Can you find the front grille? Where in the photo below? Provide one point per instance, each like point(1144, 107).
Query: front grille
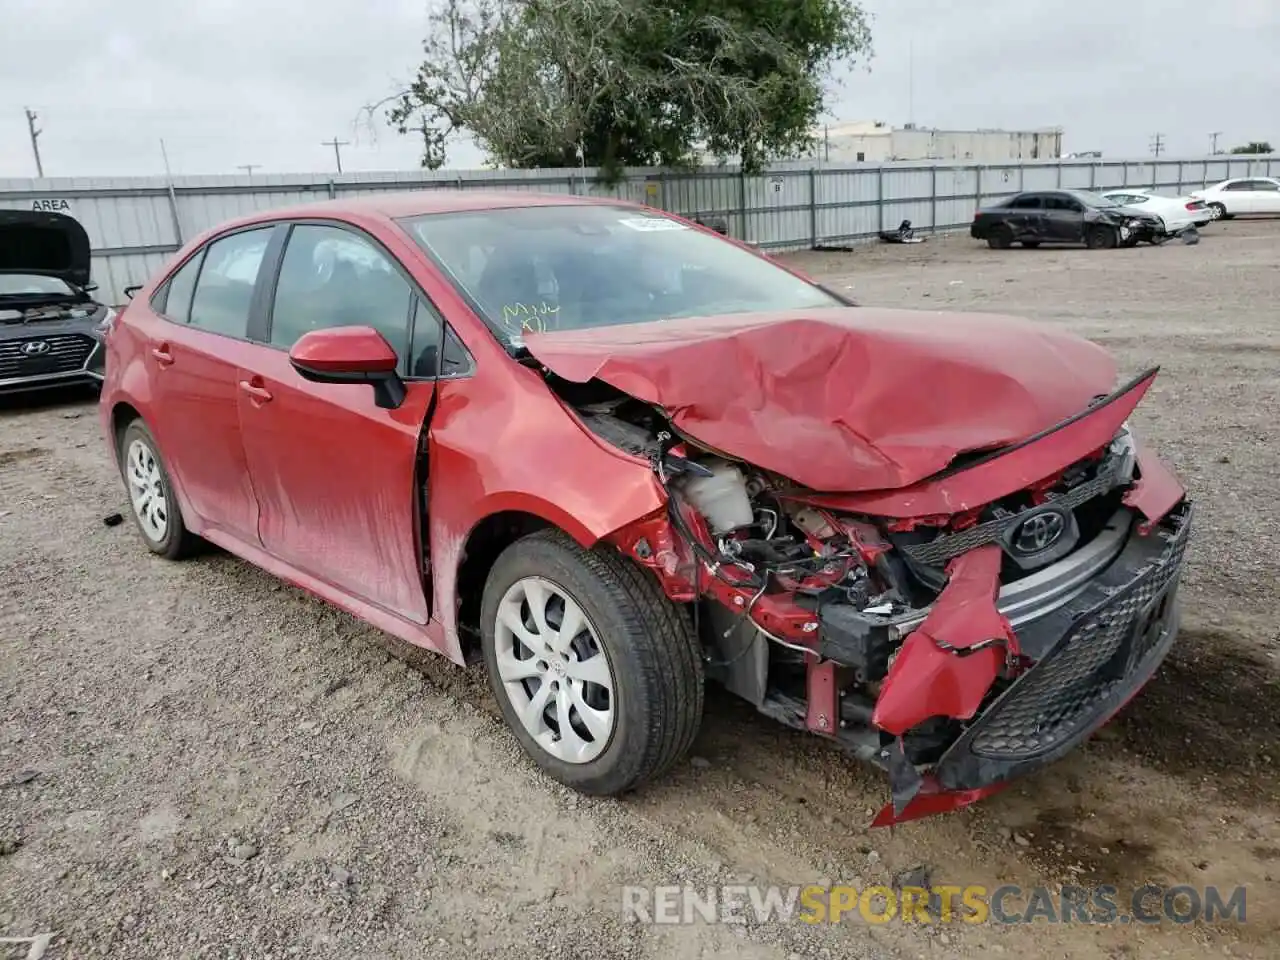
point(1091, 668)
point(937, 552)
point(67, 352)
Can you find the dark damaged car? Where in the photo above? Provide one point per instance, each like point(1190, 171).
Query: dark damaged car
point(1064, 216)
point(50, 324)
point(613, 455)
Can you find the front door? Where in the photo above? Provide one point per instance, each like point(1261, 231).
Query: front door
point(1265, 197)
point(1064, 218)
point(194, 340)
point(335, 475)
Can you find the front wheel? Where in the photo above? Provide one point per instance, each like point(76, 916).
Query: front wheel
point(597, 673)
point(1101, 238)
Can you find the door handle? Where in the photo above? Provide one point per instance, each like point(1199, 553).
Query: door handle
point(162, 354)
point(258, 394)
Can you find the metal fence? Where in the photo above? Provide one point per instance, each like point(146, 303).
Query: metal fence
point(134, 224)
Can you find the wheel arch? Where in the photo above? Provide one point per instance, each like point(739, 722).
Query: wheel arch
point(483, 544)
point(123, 413)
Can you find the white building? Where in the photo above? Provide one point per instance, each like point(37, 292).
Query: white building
point(874, 141)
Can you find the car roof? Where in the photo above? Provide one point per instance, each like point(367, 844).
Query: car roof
point(393, 205)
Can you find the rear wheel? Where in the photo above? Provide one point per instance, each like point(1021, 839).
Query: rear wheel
point(1000, 238)
point(597, 673)
point(1101, 238)
point(155, 508)
point(1219, 211)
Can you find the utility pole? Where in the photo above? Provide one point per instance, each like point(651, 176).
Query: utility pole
point(1213, 139)
point(249, 167)
point(337, 154)
point(35, 135)
point(1157, 144)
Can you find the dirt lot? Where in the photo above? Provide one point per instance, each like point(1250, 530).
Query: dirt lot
point(225, 767)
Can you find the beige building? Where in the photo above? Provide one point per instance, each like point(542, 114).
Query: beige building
point(874, 141)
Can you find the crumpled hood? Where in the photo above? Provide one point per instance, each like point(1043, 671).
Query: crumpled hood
point(845, 399)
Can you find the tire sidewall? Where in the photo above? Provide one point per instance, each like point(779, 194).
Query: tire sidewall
point(168, 545)
point(556, 563)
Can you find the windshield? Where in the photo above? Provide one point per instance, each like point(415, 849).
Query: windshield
point(571, 267)
point(32, 284)
point(1094, 199)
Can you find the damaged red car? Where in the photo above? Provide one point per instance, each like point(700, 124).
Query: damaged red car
point(614, 455)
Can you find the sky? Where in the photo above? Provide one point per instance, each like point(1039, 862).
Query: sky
point(226, 83)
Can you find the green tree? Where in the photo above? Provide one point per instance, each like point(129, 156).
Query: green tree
point(1254, 146)
point(611, 83)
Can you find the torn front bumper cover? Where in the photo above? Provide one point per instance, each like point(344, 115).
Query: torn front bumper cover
point(1089, 657)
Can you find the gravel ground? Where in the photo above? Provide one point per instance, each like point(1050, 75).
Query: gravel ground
point(196, 760)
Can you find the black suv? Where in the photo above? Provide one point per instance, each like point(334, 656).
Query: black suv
point(1064, 216)
point(50, 326)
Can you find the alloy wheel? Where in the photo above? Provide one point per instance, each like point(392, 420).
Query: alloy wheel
point(554, 670)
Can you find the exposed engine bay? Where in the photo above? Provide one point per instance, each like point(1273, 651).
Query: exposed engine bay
point(897, 635)
point(50, 312)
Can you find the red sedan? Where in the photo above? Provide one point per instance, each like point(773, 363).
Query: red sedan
point(613, 454)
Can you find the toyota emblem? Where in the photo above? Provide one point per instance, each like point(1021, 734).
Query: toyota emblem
point(35, 348)
point(1039, 532)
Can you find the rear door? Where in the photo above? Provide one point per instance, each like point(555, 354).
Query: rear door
point(196, 337)
point(1026, 216)
point(1239, 197)
point(336, 479)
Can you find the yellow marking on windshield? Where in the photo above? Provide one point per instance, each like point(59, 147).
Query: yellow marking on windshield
point(527, 318)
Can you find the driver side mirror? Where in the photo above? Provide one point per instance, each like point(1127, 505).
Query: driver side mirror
point(350, 355)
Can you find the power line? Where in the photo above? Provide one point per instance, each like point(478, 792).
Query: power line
point(249, 167)
point(1213, 138)
point(35, 135)
point(1157, 144)
point(337, 153)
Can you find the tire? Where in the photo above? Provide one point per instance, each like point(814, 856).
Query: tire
point(1000, 238)
point(1101, 238)
point(147, 481)
point(645, 714)
point(1219, 211)
point(1030, 244)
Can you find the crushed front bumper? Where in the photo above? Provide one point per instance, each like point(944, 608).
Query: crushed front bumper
point(1094, 628)
point(1098, 650)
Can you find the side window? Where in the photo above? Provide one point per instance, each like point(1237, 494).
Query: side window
point(173, 300)
point(1239, 185)
point(225, 289)
point(331, 277)
point(1028, 201)
point(426, 345)
point(1268, 185)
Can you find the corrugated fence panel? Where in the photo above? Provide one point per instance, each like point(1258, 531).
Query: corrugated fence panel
point(135, 222)
point(1077, 176)
point(1040, 177)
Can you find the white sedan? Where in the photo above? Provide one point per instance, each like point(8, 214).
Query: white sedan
point(1178, 213)
point(1242, 195)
